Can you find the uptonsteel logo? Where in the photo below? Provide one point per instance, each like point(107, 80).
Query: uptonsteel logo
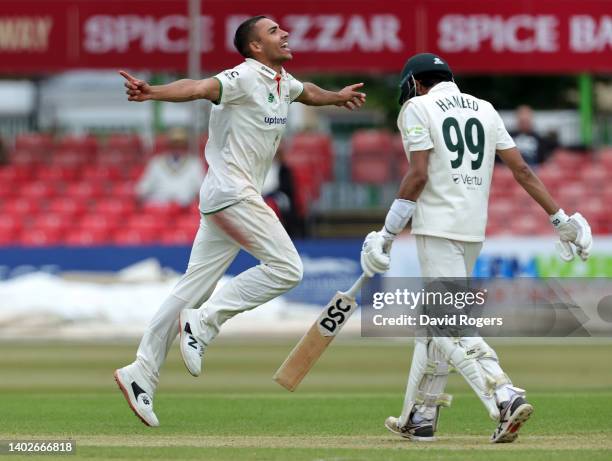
point(275, 120)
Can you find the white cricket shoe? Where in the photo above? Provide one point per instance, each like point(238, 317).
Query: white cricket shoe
point(512, 416)
point(191, 348)
point(421, 432)
point(131, 383)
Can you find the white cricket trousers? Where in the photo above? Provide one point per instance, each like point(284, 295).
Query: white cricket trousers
point(441, 257)
point(249, 224)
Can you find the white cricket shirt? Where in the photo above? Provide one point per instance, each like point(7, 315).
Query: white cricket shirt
point(245, 129)
point(463, 133)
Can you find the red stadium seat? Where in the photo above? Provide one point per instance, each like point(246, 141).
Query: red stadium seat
point(594, 176)
point(188, 221)
point(38, 190)
point(67, 207)
point(162, 211)
point(8, 237)
point(115, 207)
point(28, 158)
point(524, 225)
point(85, 190)
point(10, 224)
point(34, 142)
point(318, 148)
point(573, 195)
point(21, 206)
point(39, 237)
point(605, 159)
point(102, 173)
point(16, 173)
point(146, 224)
point(400, 166)
point(502, 177)
point(371, 141)
point(70, 158)
point(551, 175)
point(57, 173)
point(87, 237)
point(7, 190)
point(117, 158)
point(100, 223)
point(371, 170)
point(122, 190)
point(372, 156)
point(85, 145)
point(570, 162)
point(135, 172)
point(134, 237)
point(126, 143)
point(177, 236)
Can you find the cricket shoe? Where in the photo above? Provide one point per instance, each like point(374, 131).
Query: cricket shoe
point(421, 432)
point(140, 401)
point(512, 416)
point(191, 349)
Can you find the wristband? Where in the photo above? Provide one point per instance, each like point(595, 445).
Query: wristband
point(558, 218)
point(398, 216)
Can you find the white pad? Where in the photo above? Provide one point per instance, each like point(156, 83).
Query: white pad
point(477, 362)
point(426, 382)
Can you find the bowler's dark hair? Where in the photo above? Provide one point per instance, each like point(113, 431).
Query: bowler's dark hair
point(244, 35)
point(429, 79)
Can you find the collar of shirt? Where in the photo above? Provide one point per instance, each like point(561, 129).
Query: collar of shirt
point(444, 87)
point(265, 70)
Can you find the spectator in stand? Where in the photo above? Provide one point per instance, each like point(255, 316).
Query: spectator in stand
point(174, 176)
point(279, 192)
point(534, 148)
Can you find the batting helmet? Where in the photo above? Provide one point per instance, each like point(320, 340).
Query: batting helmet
point(423, 63)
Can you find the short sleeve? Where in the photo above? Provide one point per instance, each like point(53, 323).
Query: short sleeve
point(233, 86)
point(504, 140)
point(295, 88)
point(414, 127)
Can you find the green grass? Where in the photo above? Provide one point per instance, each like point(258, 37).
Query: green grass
point(235, 411)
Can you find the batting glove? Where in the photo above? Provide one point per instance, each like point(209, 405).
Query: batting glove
point(574, 231)
point(374, 254)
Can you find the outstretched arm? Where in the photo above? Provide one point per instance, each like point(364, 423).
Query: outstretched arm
point(528, 180)
point(178, 91)
point(347, 97)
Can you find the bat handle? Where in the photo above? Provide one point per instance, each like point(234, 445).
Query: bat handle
point(352, 291)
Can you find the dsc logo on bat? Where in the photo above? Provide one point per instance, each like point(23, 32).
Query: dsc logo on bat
point(335, 315)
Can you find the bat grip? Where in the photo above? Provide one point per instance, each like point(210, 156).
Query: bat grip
point(352, 291)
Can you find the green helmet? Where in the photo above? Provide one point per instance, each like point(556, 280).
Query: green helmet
point(420, 64)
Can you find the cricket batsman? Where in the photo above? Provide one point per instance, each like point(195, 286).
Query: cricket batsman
point(448, 134)
point(247, 122)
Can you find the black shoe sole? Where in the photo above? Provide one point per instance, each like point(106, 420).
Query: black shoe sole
point(522, 414)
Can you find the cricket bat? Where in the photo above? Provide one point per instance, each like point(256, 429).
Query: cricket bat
point(312, 345)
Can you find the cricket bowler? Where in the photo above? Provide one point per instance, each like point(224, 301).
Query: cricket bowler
point(247, 122)
point(448, 134)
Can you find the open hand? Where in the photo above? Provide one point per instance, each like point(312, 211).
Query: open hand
point(352, 99)
point(137, 90)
